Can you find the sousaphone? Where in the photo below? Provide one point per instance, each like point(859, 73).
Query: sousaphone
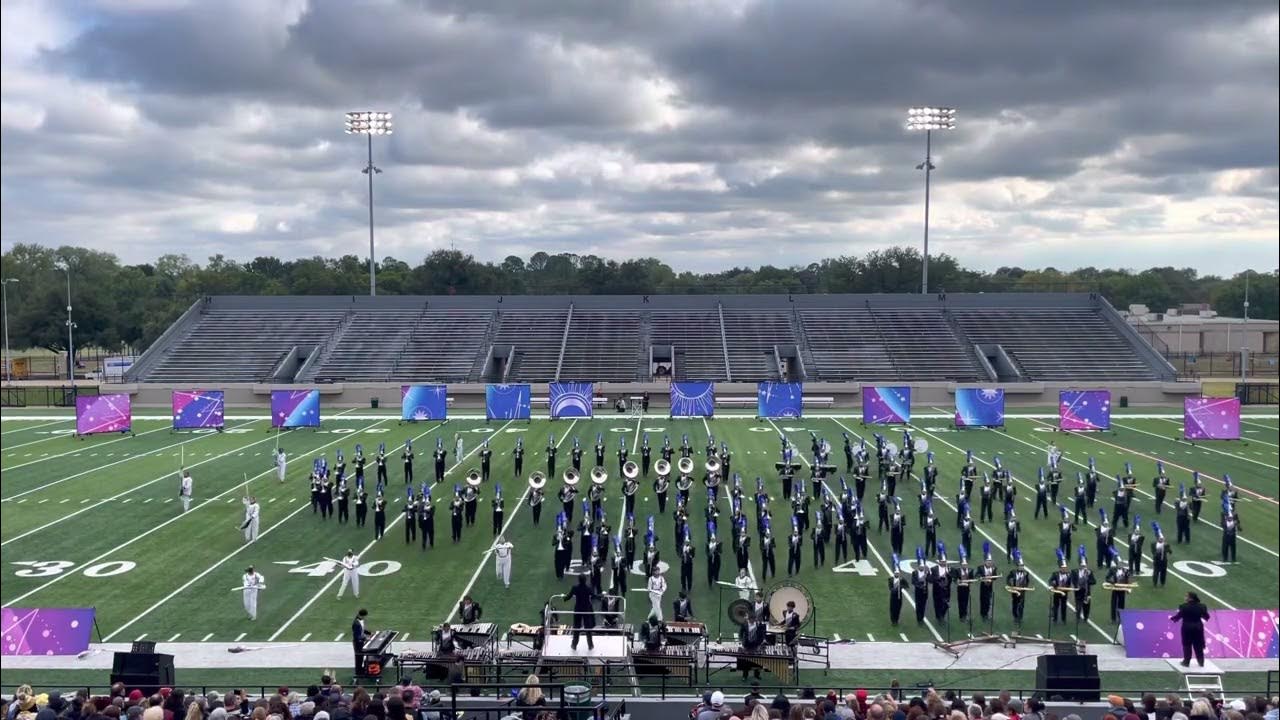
point(663, 468)
point(570, 477)
point(685, 466)
point(537, 481)
point(712, 467)
point(473, 477)
point(599, 475)
point(630, 470)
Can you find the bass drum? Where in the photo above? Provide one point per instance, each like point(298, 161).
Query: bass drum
point(785, 592)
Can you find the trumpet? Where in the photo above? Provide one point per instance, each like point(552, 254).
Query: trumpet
point(599, 475)
point(570, 477)
point(663, 468)
point(685, 465)
point(537, 481)
point(630, 470)
point(473, 477)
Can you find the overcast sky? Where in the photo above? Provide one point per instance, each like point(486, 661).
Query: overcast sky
point(709, 133)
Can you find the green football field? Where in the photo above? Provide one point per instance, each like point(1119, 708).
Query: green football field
point(96, 522)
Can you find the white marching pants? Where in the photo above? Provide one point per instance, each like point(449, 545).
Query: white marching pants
point(186, 503)
point(251, 531)
point(280, 473)
point(251, 603)
point(503, 567)
point(352, 578)
point(655, 602)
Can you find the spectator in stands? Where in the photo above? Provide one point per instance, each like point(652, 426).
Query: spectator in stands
point(1202, 709)
point(530, 696)
point(759, 712)
point(711, 707)
point(754, 696)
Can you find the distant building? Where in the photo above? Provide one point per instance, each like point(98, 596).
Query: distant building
point(1194, 328)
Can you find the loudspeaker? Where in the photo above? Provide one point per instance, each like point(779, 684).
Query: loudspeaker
point(1073, 677)
point(147, 672)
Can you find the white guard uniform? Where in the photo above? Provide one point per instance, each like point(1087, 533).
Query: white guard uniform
point(350, 575)
point(657, 586)
point(253, 582)
point(502, 561)
point(282, 461)
point(250, 524)
point(184, 492)
point(457, 450)
point(746, 586)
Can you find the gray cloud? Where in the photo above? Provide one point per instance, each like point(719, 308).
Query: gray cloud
point(717, 133)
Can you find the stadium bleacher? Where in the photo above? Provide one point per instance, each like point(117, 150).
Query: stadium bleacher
point(821, 338)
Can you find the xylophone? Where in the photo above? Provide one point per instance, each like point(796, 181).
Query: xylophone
point(777, 659)
point(677, 662)
point(475, 634)
point(685, 633)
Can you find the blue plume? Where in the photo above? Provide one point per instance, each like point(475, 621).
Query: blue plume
point(1226, 479)
point(1159, 467)
point(942, 548)
point(409, 492)
point(1062, 509)
point(963, 555)
point(1102, 512)
point(498, 488)
point(711, 493)
point(1017, 556)
point(600, 513)
point(742, 521)
point(382, 447)
point(1079, 476)
point(968, 455)
point(649, 524)
point(585, 505)
point(457, 489)
point(359, 449)
point(1137, 522)
point(645, 441)
point(929, 456)
point(896, 562)
point(339, 454)
point(1182, 489)
point(595, 541)
point(768, 524)
point(426, 491)
point(997, 461)
point(711, 527)
point(1062, 560)
point(360, 484)
point(1040, 473)
point(1114, 553)
point(648, 537)
point(1195, 475)
point(795, 522)
point(1082, 552)
point(560, 518)
point(843, 485)
point(617, 541)
point(1155, 527)
point(1008, 506)
point(986, 549)
point(631, 518)
point(1091, 462)
point(919, 554)
point(599, 438)
point(1128, 468)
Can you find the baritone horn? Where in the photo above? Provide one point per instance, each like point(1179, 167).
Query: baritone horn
point(599, 475)
point(663, 468)
point(630, 470)
point(537, 481)
point(685, 465)
point(570, 477)
point(473, 477)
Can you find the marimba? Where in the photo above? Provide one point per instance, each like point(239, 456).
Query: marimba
point(475, 634)
point(777, 659)
point(676, 662)
point(685, 633)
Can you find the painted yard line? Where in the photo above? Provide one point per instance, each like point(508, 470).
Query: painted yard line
point(1250, 439)
point(622, 514)
point(175, 518)
point(175, 637)
point(1131, 451)
point(394, 521)
point(751, 570)
point(946, 501)
point(485, 557)
point(1202, 447)
point(33, 427)
point(1144, 493)
point(1089, 523)
point(168, 475)
point(751, 416)
point(306, 637)
point(870, 546)
point(1272, 428)
point(240, 637)
point(206, 637)
point(37, 442)
point(102, 467)
point(64, 454)
point(228, 556)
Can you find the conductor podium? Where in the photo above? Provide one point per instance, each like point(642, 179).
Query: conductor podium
point(1074, 677)
point(146, 671)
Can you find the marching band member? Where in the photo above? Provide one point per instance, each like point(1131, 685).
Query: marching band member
point(1116, 576)
point(623, 454)
point(987, 577)
point(185, 487)
point(1055, 476)
point(380, 461)
point(930, 479)
point(653, 633)
point(406, 456)
point(469, 611)
point(848, 454)
point(410, 517)
point(1120, 504)
point(1230, 529)
point(486, 456)
point(986, 496)
point(751, 636)
point(326, 494)
point(458, 454)
point(1012, 529)
point(656, 586)
point(1182, 515)
point(350, 574)
point(251, 516)
point(646, 454)
point(964, 576)
point(1065, 527)
point(362, 504)
point(629, 541)
point(859, 533)
point(768, 566)
point(819, 544)
point(563, 548)
point(1042, 496)
point(595, 565)
point(1018, 578)
point(379, 516)
point(282, 464)
point(795, 542)
point(596, 494)
point(1135, 547)
point(895, 592)
point(1105, 538)
point(536, 496)
point(931, 528)
point(1091, 479)
point(586, 531)
point(456, 510)
point(344, 501)
point(1160, 552)
point(1160, 483)
point(713, 554)
point(1128, 482)
point(1060, 582)
point(649, 561)
point(1000, 477)
point(897, 528)
point(551, 470)
point(499, 508)
point(841, 540)
point(940, 579)
point(620, 568)
point(920, 585)
point(518, 467)
point(661, 484)
point(250, 584)
point(1081, 500)
point(427, 518)
point(682, 608)
point(360, 463)
point(791, 625)
point(1198, 494)
point(1082, 580)
point(968, 473)
point(861, 471)
point(966, 529)
point(470, 499)
point(567, 495)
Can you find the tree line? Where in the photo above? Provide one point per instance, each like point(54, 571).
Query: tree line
point(118, 306)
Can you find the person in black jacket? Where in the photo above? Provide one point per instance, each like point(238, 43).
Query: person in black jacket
point(359, 634)
point(584, 611)
point(1193, 615)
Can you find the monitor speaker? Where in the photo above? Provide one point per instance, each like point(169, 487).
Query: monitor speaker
point(147, 672)
point(1072, 677)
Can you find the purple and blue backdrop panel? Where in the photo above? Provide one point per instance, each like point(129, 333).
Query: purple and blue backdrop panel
point(45, 631)
point(979, 407)
point(779, 400)
point(1211, 418)
point(693, 399)
point(424, 402)
point(507, 402)
point(1227, 634)
point(886, 405)
point(295, 408)
point(193, 409)
point(103, 414)
point(570, 399)
point(1084, 410)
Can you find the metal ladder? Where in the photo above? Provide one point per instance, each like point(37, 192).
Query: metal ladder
point(1198, 685)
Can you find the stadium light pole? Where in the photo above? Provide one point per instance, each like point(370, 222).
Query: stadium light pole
point(928, 119)
point(4, 299)
point(370, 123)
point(65, 266)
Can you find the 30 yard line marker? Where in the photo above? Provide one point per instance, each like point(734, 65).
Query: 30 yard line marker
point(390, 525)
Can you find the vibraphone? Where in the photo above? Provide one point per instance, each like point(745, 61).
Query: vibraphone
point(686, 633)
point(678, 662)
point(472, 663)
point(475, 634)
point(777, 659)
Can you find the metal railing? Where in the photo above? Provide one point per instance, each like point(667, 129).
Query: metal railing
point(18, 396)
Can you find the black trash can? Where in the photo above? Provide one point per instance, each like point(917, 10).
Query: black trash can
point(1124, 401)
point(373, 403)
